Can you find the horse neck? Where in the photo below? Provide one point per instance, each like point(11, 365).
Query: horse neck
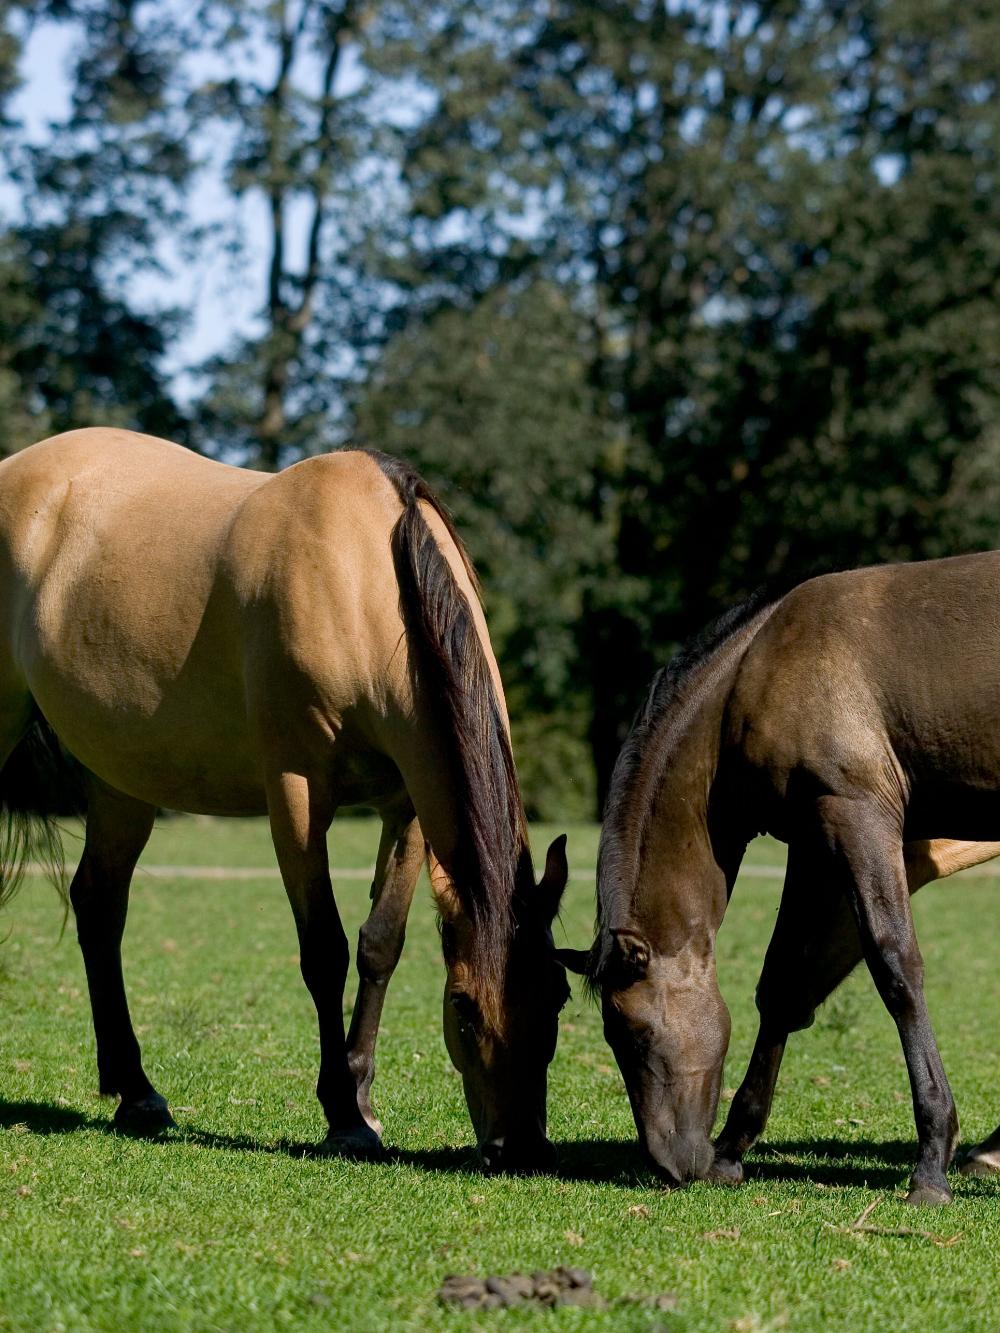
point(695, 834)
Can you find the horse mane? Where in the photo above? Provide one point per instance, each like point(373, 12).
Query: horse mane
point(662, 719)
point(491, 854)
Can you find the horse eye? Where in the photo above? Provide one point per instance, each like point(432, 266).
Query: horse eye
point(465, 1007)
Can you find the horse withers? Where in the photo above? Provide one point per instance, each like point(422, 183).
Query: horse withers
point(215, 640)
point(854, 719)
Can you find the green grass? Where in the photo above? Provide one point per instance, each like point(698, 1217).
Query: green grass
point(226, 1226)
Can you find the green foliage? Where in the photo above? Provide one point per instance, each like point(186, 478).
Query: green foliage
point(668, 299)
point(96, 197)
point(494, 406)
point(785, 221)
point(308, 153)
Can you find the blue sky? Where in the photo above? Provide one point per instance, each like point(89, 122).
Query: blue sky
point(223, 294)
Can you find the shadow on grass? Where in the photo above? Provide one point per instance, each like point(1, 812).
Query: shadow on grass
point(46, 1118)
point(881, 1164)
point(595, 1161)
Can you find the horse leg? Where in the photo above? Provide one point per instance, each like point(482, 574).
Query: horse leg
point(812, 951)
point(301, 812)
point(118, 828)
point(813, 947)
point(983, 1160)
point(380, 943)
point(867, 856)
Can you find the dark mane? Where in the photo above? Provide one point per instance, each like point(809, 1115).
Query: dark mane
point(491, 853)
point(638, 772)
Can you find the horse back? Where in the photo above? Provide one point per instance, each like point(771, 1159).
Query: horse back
point(173, 617)
point(885, 680)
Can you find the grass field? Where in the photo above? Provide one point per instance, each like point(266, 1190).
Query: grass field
point(225, 1225)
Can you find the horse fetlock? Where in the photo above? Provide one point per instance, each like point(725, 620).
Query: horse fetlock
point(363, 1069)
point(744, 1125)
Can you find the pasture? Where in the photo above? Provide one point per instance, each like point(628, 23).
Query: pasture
point(226, 1224)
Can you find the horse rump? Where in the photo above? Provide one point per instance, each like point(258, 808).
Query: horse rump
point(39, 782)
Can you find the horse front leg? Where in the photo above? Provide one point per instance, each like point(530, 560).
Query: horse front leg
point(867, 855)
point(300, 814)
point(815, 946)
point(118, 829)
point(380, 942)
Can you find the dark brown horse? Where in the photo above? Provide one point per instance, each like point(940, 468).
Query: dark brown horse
point(856, 719)
point(216, 640)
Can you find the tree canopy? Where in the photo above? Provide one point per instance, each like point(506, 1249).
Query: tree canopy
point(668, 299)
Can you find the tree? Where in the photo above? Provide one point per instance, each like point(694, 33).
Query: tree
point(783, 216)
point(304, 142)
point(96, 199)
point(494, 405)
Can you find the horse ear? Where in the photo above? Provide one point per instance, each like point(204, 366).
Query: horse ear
point(554, 877)
point(573, 960)
point(631, 956)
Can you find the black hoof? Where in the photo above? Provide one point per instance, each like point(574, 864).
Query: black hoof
point(360, 1143)
point(147, 1117)
point(929, 1196)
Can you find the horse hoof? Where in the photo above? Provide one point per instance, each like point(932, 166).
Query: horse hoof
point(988, 1164)
point(929, 1196)
point(360, 1143)
point(726, 1171)
point(149, 1116)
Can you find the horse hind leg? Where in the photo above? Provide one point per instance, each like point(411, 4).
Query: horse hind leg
point(118, 829)
point(380, 942)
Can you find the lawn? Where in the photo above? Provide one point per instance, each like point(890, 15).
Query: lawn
point(226, 1225)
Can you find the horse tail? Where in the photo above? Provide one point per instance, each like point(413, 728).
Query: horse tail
point(492, 836)
point(38, 782)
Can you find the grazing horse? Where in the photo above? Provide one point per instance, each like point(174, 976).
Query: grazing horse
point(216, 640)
point(855, 719)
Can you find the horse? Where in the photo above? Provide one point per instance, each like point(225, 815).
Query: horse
point(855, 719)
point(177, 632)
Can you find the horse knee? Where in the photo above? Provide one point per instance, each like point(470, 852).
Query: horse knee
point(899, 974)
point(379, 950)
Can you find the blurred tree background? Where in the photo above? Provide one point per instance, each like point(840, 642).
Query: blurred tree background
point(667, 299)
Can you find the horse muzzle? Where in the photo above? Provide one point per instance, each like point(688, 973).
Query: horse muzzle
point(518, 1156)
point(678, 1158)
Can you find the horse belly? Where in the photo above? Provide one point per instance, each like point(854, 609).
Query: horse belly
point(147, 693)
point(190, 752)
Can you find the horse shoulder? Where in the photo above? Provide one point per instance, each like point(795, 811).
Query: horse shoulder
point(802, 700)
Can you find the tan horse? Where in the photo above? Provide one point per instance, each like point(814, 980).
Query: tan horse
point(215, 640)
